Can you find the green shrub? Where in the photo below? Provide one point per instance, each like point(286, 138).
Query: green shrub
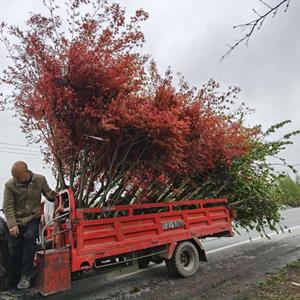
point(290, 191)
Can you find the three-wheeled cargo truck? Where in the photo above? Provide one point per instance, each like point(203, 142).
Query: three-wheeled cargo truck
point(81, 239)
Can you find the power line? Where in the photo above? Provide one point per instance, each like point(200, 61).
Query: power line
point(22, 153)
point(19, 145)
point(26, 150)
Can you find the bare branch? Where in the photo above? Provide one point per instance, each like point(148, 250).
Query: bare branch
point(266, 4)
point(254, 24)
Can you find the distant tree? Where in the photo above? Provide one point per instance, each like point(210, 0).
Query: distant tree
point(290, 191)
point(297, 179)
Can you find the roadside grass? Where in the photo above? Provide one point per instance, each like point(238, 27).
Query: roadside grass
point(289, 191)
point(278, 286)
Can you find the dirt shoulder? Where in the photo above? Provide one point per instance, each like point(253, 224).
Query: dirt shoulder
point(284, 284)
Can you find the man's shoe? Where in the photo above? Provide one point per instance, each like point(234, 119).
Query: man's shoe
point(24, 282)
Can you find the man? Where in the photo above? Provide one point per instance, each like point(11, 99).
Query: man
point(21, 205)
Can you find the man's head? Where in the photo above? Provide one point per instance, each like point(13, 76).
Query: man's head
point(20, 172)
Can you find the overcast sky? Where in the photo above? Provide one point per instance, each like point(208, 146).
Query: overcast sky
point(190, 36)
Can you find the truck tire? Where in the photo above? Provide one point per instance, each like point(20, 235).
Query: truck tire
point(185, 260)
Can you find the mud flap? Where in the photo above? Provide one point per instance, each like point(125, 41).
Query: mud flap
point(198, 244)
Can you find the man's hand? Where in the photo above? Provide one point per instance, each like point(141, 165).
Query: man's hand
point(14, 231)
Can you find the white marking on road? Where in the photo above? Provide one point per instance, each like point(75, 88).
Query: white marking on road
point(129, 274)
point(219, 249)
point(248, 241)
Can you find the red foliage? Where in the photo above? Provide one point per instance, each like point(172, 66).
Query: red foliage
point(93, 82)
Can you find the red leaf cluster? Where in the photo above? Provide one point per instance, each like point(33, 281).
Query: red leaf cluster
point(94, 82)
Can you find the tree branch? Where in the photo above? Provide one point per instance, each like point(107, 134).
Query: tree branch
point(254, 24)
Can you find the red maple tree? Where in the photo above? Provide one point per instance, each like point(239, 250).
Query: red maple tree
point(113, 128)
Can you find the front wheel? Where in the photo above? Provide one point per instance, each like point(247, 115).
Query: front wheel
point(185, 260)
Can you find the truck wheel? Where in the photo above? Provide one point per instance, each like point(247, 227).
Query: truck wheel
point(185, 260)
point(143, 262)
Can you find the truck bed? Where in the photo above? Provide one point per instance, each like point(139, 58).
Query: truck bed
point(98, 233)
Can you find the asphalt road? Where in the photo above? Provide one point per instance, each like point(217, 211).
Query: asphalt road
point(234, 263)
point(290, 219)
